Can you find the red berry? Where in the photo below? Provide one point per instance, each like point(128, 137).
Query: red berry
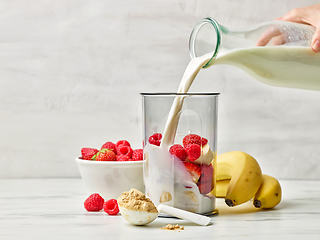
point(155, 139)
point(205, 183)
point(191, 139)
point(137, 155)
point(193, 151)
point(205, 187)
point(105, 155)
point(194, 170)
point(206, 173)
point(94, 202)
point(204, 141)
point(124, 150)
point(194, 139)
point(111, 207)
point(88, 153)
point(123, 142)
point(110, 146)
point(122, 158)
point(178, 151)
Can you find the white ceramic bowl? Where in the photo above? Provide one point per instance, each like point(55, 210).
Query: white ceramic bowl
point(110, 179)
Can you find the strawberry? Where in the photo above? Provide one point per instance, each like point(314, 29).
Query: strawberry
point(105, 155)
point(122, 158)
point(194, 139)
point(94, 202)
point(205, 188)
point(205, 183)
point(178, 151)
point(111, 146)
point(194, 151)
point(137, 155)
point(155, 139)
point(206, 173)
point(88, 153)
point(194, 170)
point(122, 142)
point(124, 150)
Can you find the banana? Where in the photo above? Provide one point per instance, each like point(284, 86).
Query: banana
point(269, 193)
point(244, 173)
point(221, 188)
point(206, 156)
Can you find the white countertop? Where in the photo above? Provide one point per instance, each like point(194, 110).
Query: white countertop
point(53, 209)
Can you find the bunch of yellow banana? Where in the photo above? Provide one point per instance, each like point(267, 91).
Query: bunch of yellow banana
point(239, 179)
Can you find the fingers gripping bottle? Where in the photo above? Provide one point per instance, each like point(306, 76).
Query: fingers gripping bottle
point(277, 53)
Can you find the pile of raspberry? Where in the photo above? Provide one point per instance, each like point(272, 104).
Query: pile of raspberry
point(188, 152)
point(119, 151)
point(95, 203)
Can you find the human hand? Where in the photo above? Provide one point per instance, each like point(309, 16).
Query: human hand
point(307, 15)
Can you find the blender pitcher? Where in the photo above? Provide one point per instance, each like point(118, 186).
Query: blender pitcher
point(173, 175)
point(276, 53)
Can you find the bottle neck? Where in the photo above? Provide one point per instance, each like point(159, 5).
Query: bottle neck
point(205, 38)
point(209, 37)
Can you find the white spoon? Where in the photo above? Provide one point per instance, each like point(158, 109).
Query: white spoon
point(143, 218)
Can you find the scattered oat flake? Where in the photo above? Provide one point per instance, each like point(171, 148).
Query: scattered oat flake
point(173, 227)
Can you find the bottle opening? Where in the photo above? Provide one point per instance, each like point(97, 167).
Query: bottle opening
point(205, 38)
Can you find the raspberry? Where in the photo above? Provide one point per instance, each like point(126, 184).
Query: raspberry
point(204, 141)
point(94, 202)
point(123, 142)
point(191, 139)
point(194, 139)
point(193, 151)
point(137, 155)
point(111, 146)
point(111, 207)
point(124, 150)
point(155, 139)
point(122, 158)
point(105, 155)
point(178, 151)
point(88, 153)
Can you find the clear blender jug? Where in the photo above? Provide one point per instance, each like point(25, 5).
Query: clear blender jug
point(276, 53)
point(173, 178)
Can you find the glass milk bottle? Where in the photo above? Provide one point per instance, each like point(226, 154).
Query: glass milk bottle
point(277, 53)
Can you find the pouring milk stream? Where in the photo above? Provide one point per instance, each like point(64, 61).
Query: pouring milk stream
point(174, 176)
